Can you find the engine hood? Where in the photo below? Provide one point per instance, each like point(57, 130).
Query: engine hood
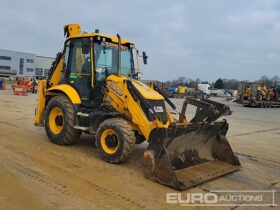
point(145, 90)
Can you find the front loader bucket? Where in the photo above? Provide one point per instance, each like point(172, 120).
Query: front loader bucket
point(187, 155)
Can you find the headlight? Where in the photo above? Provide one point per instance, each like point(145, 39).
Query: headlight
point(138, 75)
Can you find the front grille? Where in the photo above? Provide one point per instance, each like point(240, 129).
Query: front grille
point(159, 107)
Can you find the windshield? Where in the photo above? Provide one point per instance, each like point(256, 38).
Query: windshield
point(106, 59)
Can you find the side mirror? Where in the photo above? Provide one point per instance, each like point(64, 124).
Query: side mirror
point(85, 45)
point(145, 57)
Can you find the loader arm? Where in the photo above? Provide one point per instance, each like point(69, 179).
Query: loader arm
point(125, 96)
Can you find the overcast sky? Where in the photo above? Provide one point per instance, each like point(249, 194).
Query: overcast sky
point(204, 39)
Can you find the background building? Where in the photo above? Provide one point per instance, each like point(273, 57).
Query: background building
point(23, 64)
point(42, 65)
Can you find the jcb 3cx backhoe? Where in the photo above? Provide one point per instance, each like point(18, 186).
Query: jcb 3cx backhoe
point(92, 87)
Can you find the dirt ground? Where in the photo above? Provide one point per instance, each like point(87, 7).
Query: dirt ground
point(35, 174)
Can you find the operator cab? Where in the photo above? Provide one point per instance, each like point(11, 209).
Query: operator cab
point(89, 60)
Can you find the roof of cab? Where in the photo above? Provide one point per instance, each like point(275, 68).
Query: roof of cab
point(113, 38)
point(73, 30)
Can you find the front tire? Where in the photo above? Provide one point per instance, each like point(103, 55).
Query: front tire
point(60, 119)
point(115, 140)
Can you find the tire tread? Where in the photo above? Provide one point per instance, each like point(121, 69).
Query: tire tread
point(128, 133)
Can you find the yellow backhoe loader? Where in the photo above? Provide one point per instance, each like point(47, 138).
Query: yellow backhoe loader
point(93, 87)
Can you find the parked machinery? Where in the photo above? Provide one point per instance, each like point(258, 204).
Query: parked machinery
point(92, 87)
point(252, 94)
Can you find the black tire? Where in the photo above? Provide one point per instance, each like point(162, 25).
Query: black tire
point(124, 135)
point(68, 135)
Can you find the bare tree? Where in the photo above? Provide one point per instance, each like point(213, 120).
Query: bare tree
point(264, 80)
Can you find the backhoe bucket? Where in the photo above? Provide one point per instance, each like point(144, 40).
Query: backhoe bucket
point(184, 156)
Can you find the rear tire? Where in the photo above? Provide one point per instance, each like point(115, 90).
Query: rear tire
point(60, 119)
point(115, 140)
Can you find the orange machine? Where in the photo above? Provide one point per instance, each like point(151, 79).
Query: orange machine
point(20, 86)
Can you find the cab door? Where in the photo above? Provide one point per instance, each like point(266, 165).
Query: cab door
point(79, 67)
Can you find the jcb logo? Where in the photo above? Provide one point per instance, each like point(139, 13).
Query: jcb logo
point(158, 108)
point(115, 88)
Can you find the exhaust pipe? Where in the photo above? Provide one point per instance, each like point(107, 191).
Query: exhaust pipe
point(119, 54)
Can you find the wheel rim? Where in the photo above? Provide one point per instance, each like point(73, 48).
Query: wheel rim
point(56, 120)
point(109, 141)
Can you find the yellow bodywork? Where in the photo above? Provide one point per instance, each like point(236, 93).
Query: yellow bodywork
point(41, 100)
point(146, 91)
point(248, 91)
point(181, 90)
point(118, 96)
point(72, 29)
point(67, 90)
point(75, 33)
point(42, 93)
point(56, 77)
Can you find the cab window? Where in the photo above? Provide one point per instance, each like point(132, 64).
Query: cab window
point(79, 62)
